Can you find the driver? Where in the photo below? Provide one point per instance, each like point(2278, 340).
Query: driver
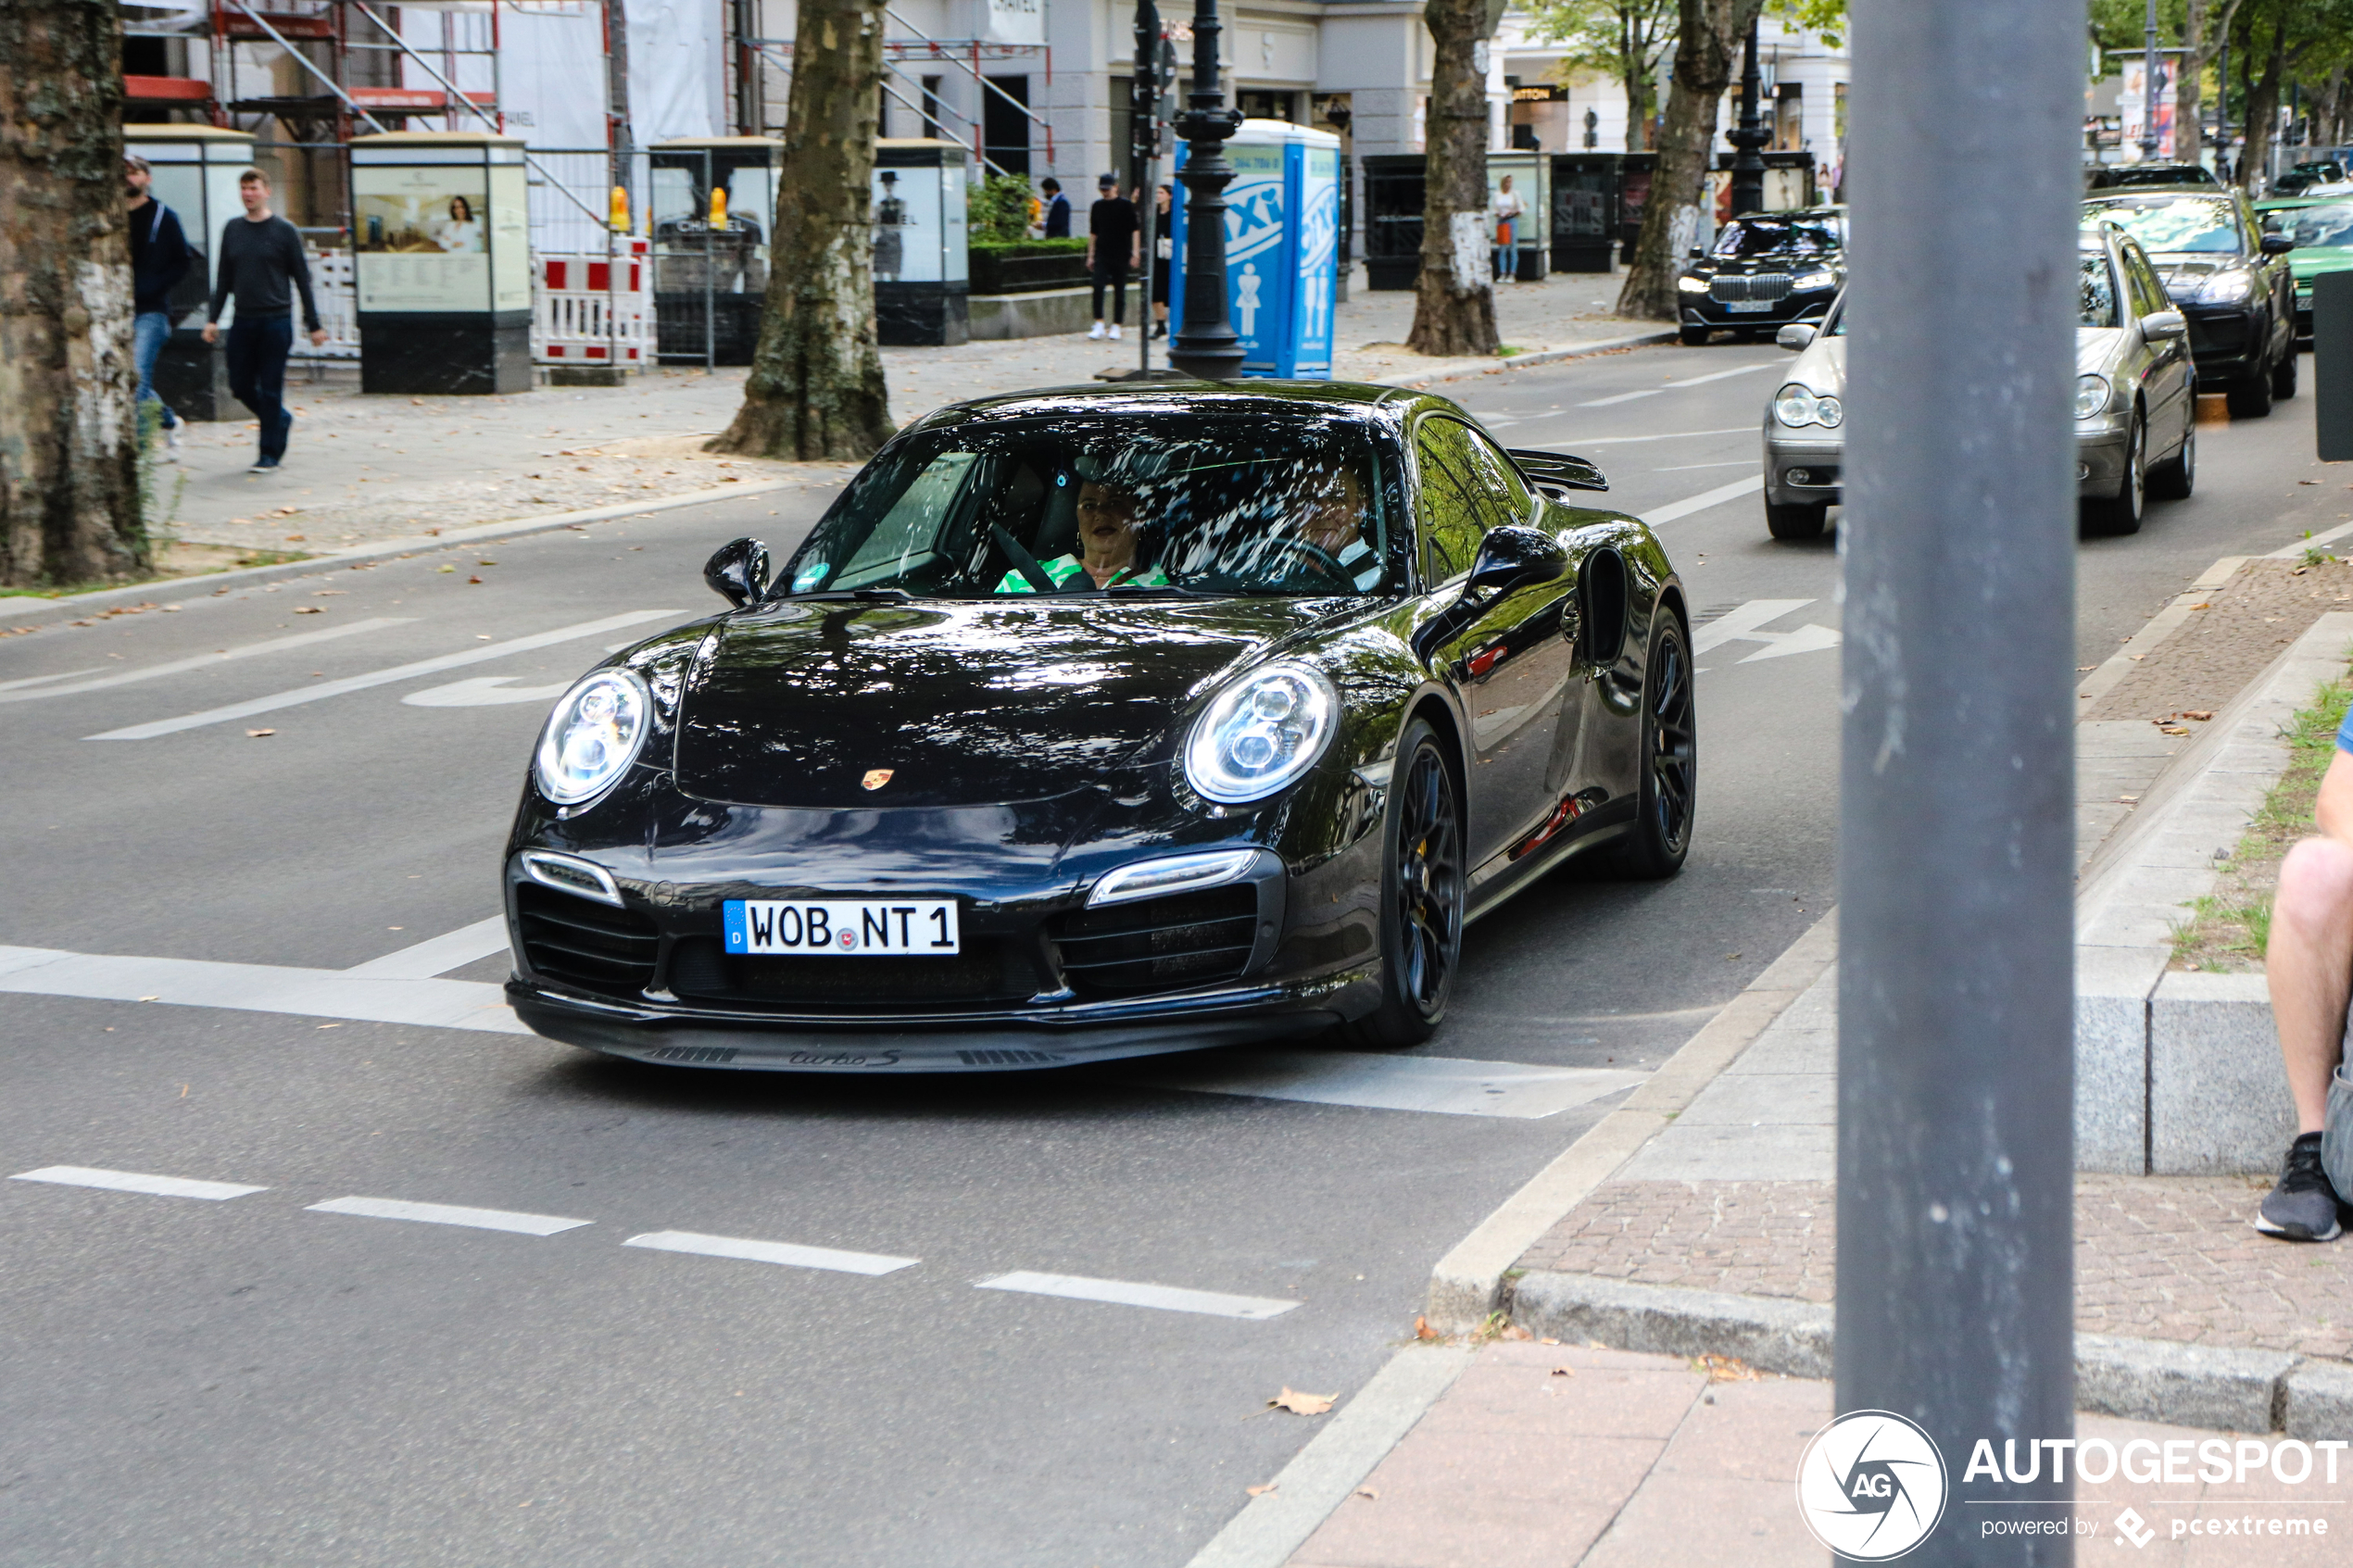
point(1330, 519)
point(1107, 543)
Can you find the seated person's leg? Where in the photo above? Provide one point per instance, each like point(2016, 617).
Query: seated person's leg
point(2310, 964)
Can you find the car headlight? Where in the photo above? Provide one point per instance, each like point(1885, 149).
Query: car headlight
point(1795, 405)
point(1823, 279)
point(1260, 733)
point(1689, 284)
point(2091, 395)
point(2226, 288)
point(591, 736)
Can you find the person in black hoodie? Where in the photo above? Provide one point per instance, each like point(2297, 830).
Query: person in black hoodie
point(159, 259)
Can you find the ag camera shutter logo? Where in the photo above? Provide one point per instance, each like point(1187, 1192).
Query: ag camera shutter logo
point(1871, 1485)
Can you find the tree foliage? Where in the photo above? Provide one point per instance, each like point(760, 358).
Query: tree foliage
point(998, 207)
point(1626, 40)
point(1707, 40)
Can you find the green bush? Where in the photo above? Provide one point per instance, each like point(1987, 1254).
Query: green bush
point(998, 208)
point(1008, 249)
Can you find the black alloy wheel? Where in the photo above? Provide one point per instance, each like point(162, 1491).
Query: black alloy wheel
point(2173, 478)
point(1662, 835)
point(1421, 928)
point(2120, 513)
point(2251, 398)
point(1796, 520)
point(2284, 374)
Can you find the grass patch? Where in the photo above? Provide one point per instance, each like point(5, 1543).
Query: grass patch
point(1507, 350)
point(174, 563)
point(2229, 928)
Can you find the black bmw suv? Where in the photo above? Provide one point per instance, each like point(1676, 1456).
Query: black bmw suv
point(1764, 270)
point(2227, 276)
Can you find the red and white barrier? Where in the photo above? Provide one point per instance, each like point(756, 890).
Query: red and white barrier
point(582, 315)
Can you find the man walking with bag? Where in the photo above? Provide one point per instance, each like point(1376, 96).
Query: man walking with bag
point(262, 263)
point(160, 259)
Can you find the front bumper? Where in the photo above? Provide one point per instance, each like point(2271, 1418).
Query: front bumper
point(1699, 310)
point(1803, 473)
point(2227, 343)
point(2099, 462)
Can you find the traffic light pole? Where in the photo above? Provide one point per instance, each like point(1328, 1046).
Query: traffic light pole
point(1956, 817)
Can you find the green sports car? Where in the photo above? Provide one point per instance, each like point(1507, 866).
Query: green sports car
point(2321, 227)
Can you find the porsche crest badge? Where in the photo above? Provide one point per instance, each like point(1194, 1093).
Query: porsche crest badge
point(876, 777)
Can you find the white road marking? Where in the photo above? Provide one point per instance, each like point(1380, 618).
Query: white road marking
point(1677, 510)
point(1741, 624)
point(1622, 397)
point(202, 661)
point(37, 680)
point(1719, 375)
point(369, 993)
point(484, 691)
point(382, 677)
point(1629, 440)
point(1124, 1293)
point(1686, 468)
point(1675, 385)
point(448, 1214)
point(134, 1181)
point(786, 1252)
point(1444, 1085)
point(310, 993)
point(2310, 542)
point(438, 955)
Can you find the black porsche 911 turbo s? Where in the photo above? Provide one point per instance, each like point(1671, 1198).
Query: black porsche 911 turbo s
point(1101, 721)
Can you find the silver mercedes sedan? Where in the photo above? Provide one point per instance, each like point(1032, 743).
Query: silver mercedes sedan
point(2135, 401)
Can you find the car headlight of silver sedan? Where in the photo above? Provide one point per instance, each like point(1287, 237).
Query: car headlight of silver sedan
point(2091, 395)
point(593, 735)
point(1262, 733)
point(1797, 406)
point(1689, 284)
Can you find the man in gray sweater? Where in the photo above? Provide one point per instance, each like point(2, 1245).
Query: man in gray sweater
point(262, 265)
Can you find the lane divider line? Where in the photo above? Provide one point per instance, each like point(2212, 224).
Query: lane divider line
point(448, 1214)
point(1124, 1293)
point(1675, 511)
point(1630, 440)
point(382, 677)
point(135, 1181)
point(790, 1254)
point(205, 661)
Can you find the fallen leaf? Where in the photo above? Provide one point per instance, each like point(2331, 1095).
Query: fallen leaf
point(1726, 1369)
point(1297, 1403)
point(331, 1026)
point(473, 579)
point(1260, 1491)
point(257, 734)
point(2175, 730)
point(1423, 1331)
point(2200, 714)
point(1512, 1331)
point(2308, 481)
point(297, 538)
point(485, 563)
point(1564, 1371)
point(446, 568)
point(1370, 1492)
point(310, 610)
point(328, 593)
point(151, 999)
point(1548, 1342)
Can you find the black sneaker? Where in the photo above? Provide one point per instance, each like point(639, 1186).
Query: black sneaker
point(2303, 1207)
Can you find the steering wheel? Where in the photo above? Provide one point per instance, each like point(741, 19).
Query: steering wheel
point(1318, 562)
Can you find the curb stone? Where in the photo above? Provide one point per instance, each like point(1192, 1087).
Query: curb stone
point(2222, 1388)
point(1471, 1281)
point(188, 590)
point(1543, 356)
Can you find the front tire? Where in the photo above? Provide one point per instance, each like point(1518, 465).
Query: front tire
point(1695, 337)
point(2284, 375)
point(2120, 513)
point(1669, 790)
point(1421, 926)
point(2251, 398)
point(2173, 478)
point(1796, 520)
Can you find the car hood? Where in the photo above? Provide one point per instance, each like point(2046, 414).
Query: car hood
point(797, 703)
point(2309, 261)
point(2181, 271)
point(1820, 365)
point(2098, 349)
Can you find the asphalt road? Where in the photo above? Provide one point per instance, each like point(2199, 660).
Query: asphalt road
point(244, 1381)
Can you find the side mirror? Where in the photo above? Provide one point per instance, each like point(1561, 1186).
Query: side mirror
point(1796, 336)
point(2162, 324)
point(738, 573)
point(1512, 557)
point(2277, 243)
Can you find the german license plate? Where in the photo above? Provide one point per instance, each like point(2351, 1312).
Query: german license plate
point(1747, 305)
point(841, 927)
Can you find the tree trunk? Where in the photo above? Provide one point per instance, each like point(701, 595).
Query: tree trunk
point(1455, 296)
point(1705, 46)
point(2187, 88)
point(816, 387)
point(2263, 108)
point(69, 433)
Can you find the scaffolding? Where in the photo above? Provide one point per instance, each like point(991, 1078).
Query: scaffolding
point(967, 54)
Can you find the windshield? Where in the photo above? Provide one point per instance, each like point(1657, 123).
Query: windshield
point(1779, 236)
point(1137, 500)
point(2095, 300)
point(2328, 225)
point(2193, 223)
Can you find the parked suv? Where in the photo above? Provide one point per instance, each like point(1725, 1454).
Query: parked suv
point(2229, 277)
point(2135, 176)
point(1764, 270)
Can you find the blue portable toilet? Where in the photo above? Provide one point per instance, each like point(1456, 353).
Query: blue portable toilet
point(1282, 247)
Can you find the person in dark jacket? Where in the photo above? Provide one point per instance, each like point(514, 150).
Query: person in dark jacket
point(1115, 241)
point(262, 263)
point(1057, 210)
point(159, 259)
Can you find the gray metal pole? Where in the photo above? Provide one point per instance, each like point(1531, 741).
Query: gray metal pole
point(1956, 817)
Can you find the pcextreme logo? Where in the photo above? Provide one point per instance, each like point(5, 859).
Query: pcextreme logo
point(1871, 1485)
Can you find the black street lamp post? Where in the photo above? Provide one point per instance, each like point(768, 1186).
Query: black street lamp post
point(1206, 346)
point(1748, 162)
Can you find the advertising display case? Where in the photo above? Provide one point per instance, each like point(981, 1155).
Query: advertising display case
point(1531, 177)
point(1282, 248)
point(441, 262)
point(921, 257)
point(195, 169)
point(1392, 219)
point(710, 278)
point(1585, 196)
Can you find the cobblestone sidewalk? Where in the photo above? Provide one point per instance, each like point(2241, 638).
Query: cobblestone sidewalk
point(361, 469)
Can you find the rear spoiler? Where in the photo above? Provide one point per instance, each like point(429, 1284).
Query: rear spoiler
point(1557, 470)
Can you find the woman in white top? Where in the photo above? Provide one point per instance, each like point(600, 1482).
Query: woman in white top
point(461, 232)
point(1507, 212)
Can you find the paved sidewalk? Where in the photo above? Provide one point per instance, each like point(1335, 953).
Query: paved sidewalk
point(1561, 1456)
point(361, 469)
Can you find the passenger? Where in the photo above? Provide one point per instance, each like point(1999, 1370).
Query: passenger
point(1107, 543)
point(1333, 520)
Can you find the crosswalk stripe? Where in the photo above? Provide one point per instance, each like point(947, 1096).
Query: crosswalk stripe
point(135, 1181)
point(449, 1214)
